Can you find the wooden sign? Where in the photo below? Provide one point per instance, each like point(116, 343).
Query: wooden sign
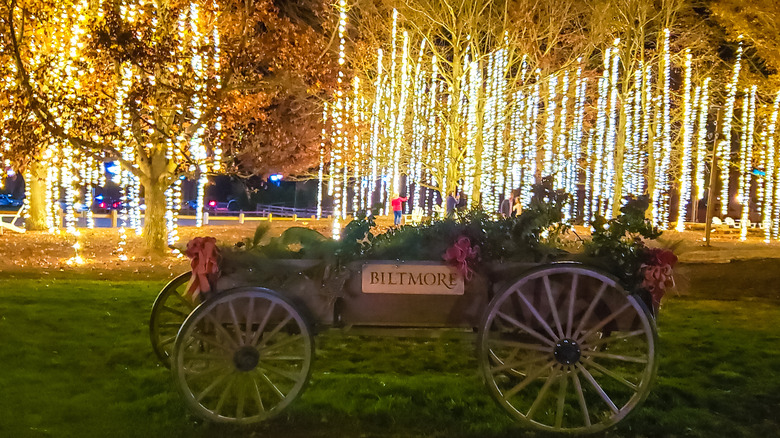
point(414, 278)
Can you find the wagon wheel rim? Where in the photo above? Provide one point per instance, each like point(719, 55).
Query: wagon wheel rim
point(566, 349)
point(243, 356)
point(169, 311)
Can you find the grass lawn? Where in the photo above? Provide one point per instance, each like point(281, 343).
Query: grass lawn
point(75, 361)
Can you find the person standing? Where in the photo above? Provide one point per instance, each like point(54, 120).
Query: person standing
point(517, 209)
point(397, 209)
point(506, 207)
point(452, 202)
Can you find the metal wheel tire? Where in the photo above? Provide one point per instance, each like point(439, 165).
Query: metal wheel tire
point(242, 356)
point(565, 349)
point(169, 311)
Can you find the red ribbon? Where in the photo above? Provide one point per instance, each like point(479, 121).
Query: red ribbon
point(460, 254)
point(204, 261)
point(657, 279)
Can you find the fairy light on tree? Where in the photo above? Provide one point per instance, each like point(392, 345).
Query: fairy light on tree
point(599, 145)
point(470, 163)
point(749, 121)
point(611, 140)
point(686, 151)
point(770, 180)
point(549, 125)
point(724, 147)
point(563, 153)
point(701, 144)
point(339, 110)
point(661, 195)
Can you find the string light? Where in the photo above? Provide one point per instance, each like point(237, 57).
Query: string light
point(748, 118)
point(661, 196)
point(686, 152)
point(701, 145)
point(770, 191)
point(724, 148)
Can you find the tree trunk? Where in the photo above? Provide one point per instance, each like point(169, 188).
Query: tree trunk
point(155, 232)
point(36, 219)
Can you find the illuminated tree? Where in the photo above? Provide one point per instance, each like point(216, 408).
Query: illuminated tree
point(151, 84)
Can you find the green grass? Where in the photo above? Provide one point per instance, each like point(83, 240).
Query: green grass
point(75, 361)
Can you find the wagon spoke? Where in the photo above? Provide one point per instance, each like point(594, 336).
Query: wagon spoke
point(572, 298)
point(288, 374)
point(184, 301)
point(168, 340)
point(612, 374)
point(542, 393)
point(528, 379)
point(599, 389)
point(272, 385)
point(529, 330)
point(553, 307)
point(236, 326)
point(536, 315)
point(561, 400)
point(224, 395)
point(176, 312)
point(213, 369)
point(250, 313)
point(218, 381)
point(278, 345)
point(592, 306)
point(261, 327)
point(284, 358)
point(275, 331)
point(581, 398)
point(513, 365)
point(620, 357)
point(256, 394)
point(605, 321)
point(221, 329)
point(521, 345)
point(611, 338)
point(240, 396)
point(192, 356)
point(210, 341)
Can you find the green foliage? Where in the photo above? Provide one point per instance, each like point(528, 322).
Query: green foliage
point(532, 237)
point(260, 232)
point(356, 238)
point(618, 245)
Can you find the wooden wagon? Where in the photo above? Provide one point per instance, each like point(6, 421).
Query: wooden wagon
point(562, 347)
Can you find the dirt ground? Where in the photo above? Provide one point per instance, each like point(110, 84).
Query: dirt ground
point(44, 253)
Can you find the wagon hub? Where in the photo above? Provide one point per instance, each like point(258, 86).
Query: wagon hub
point(567, 351)
point(246, 358)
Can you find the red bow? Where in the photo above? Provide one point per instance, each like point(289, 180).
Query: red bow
point(460, 254)
point(657, 280)
point(204, 261)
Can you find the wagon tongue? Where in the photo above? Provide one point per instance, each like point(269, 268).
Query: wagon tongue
point(567, 351)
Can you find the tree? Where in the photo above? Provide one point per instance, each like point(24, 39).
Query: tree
point(758, 23)
point(150, 84)
point(461, 38)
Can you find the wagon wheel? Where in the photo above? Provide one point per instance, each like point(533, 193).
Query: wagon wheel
point(566, 349)
point(242, 356)
point(169, 311)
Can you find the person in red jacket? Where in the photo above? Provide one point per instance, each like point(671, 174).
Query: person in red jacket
point(397, 209)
